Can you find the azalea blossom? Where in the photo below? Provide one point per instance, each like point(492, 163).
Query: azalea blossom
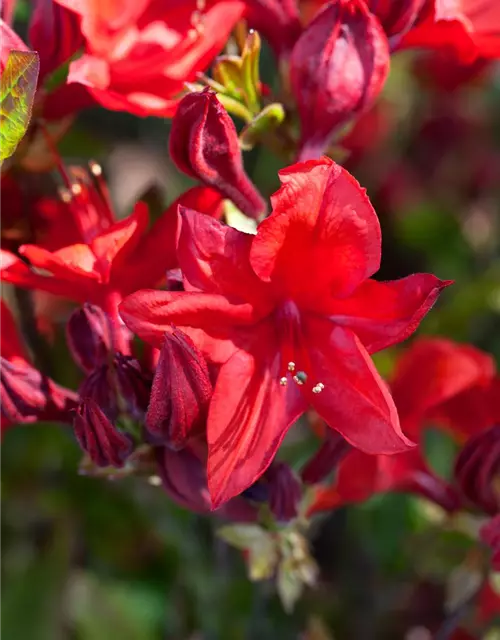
point(101, 266)
point(291, 314)
point(138, 55)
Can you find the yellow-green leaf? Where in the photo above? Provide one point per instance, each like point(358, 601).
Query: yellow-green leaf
point(18, 84)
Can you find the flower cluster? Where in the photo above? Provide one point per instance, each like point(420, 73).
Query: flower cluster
point(203, 348)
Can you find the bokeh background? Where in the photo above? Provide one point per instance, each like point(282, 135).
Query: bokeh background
point(95, 559)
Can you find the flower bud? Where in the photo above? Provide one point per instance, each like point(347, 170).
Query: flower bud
point(284, 491)
point(28, 396)
point(477, 470)
point(99, 387)
point(396, 17)
point(184, 479)
point(277, 20)
point(55, 33)
point(88, 336)
point(337, 69)
point(204, 145)
point(134, 385)
point(104, 444)
point(180, 394)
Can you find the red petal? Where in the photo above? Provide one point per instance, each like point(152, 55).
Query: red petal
point(249, 415)
point(432, 371)
point(384, 313)
point(355, 400)
point(75, 263)
point(323, 237)
point(215, 258)
point(150, 314)
point(17, 272)
point(114, 246)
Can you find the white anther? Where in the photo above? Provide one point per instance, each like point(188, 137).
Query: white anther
point(95, 168)
point(283, 381)
point(76, 189)
point(291, 366)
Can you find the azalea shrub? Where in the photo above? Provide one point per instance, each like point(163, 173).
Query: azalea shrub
point(250, 261)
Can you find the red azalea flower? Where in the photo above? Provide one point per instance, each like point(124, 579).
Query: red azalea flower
point(139, 54)
point(292, 316)
point(436, 381)
point(102, 267)
point(469, 28)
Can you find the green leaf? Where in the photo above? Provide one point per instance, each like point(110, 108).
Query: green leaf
point(18, 84)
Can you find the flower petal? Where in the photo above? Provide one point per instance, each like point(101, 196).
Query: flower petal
point(215, 258)
point(17, 272)
point(323, 237)
point(384, 313)
point(249, 415)
point(355, 400)
point(210, 320)
point(435, 370)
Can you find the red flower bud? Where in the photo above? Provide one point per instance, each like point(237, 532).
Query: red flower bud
point(277, 20)
point(134, 385)
point(204, 145)
point(180, 394)
point(490, 535)
point(477, 469)
point(184, 479)
point(28, 396)
point(396, 17)
point(99, 387)
point(105, 445)
point(88, 336)
point(55, 34)
point(337, 69)
point(284, 491)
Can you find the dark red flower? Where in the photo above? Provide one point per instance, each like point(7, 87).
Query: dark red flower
point(337, 69)
point(277, 20)
point(284, 491)
point(105, 445)
point(477, 470)
point(292, 316)
point(88, 336)
point(180, 393)
point(140, 53)
point(204, 145)
point(184, 478)
point(27, 395)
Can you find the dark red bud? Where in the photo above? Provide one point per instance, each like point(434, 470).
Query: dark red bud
point(490, 535)
point(184, 479)
point(55, 33)
point(29, 396)
point(284, 491)
point(204, 145)
point(88, 336)
point(326, 459)
point(426, 484)
point(337, 69)
point(180, 394)
point(477, 470)
point(104, 444)
point(134, 385)
point(277, 20)
point(99, 386)
point(396, 17)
